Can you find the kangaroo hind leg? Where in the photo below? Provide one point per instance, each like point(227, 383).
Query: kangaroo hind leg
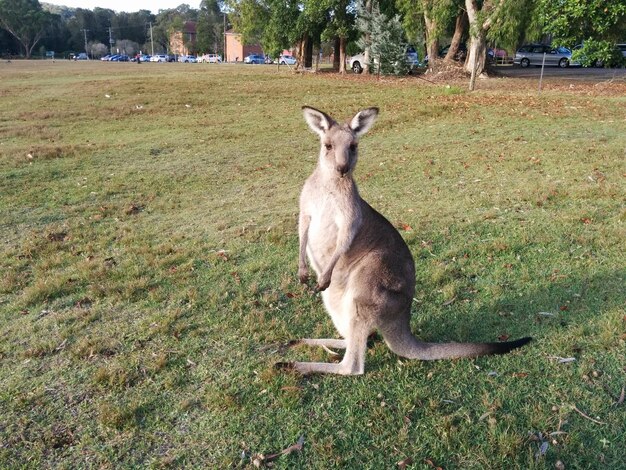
point(323, 342)
point(353, 362)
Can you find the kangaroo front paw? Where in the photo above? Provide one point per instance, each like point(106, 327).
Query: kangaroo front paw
point(322, 286)
point(303, 275)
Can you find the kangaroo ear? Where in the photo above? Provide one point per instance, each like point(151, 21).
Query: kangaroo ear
point(318, 121)
point(363, 120)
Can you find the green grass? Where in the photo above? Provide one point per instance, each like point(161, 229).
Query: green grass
point(148, 270)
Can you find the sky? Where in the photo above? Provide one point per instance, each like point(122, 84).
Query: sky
point(124, 5)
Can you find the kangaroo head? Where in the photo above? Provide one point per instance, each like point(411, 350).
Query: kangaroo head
point(339, 142)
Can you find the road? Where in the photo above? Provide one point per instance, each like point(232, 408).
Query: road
point(570, 73)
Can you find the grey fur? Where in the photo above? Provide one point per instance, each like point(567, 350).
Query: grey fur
point(364, 268)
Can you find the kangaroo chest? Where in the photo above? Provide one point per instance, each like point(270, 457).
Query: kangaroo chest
point(323, 229)
point(332, 211)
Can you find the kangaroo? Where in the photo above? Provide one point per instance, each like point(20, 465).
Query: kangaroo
point(364, 269)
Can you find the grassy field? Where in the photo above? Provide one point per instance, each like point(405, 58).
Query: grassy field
point(148, 258)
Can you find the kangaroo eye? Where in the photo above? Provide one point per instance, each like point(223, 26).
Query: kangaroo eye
point(329, 147)
point(352, 147)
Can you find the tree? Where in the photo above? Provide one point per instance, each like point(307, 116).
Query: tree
point(341, 13)
point(429, 18)
point(386, 41)
point(26, 21)
point(281, 30)
point(82, 24)
point(8, 43)
point(164, 26)
point(597, 25)
point(503, 21)
point(249, 19)
point(210, 27)
point(126, 46)
point(460, 28)
point(97, 49)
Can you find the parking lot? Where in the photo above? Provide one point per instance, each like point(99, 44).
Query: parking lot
point(592, 74)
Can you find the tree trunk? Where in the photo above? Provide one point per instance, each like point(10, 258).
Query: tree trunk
point(336, 54)
point(459, 30)
point(368, 39)
point(432, 43)
point(298, 53)
point(342, 55)
point(304, 52)
point(476, 54)
point(475, 63)
point(308, 53)
point(317, 59)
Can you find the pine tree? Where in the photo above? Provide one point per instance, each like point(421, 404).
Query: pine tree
point(386, 40)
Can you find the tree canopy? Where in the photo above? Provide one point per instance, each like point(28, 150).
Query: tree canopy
point(594, 26)
point(26, 21)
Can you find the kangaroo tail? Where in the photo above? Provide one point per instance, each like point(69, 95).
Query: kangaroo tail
point(402, 342)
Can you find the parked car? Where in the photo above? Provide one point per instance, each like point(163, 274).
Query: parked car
point(210, 58)
point(533, 54)
point(460, 55)
point(106, 57)
point(120, 58)
point(254, 59)
point(159, 58)
point(286, 60)
point(356, 62)
point(81, 56)
point(140, 58)
point(187, 59)
point(412, 57)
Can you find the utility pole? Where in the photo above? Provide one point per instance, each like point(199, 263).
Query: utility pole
point(224, 57)
point(110, 42)
point(151, 39)
point(85, 31)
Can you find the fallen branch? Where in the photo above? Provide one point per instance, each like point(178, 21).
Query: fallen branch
point(260, 459)
point(586, 416)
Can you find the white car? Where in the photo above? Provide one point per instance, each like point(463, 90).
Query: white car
point(357, 61)
point(188, 59)
point(158, 58)
point(286, 60)
point(210, 58)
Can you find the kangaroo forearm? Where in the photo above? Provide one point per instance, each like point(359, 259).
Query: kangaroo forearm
point(303, 229)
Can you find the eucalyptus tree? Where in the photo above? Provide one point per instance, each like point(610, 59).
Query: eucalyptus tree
point(431, 19)
point(501, 21)
point(210, 27)
point(249, 18)
point(26, 21)
point(341, 22)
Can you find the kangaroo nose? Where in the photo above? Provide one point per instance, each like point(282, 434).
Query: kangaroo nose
point(343, 169)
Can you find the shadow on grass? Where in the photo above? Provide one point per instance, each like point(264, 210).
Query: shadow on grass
point(537, 312)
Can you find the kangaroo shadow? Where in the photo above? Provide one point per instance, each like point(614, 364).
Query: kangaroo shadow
point(536, 312)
